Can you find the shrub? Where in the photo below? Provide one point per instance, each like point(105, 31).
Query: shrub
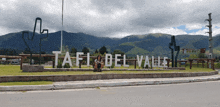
point(67, 65)
point(217, 60)
point(113, 65)
point(59, 64)
point(218, 65)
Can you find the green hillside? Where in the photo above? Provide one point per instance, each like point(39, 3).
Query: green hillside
point(137, 51)
point(156, 44)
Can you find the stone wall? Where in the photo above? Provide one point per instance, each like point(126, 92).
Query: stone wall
point(91, 69)
point(175, 68)
point(101, 76)
point(32, 68)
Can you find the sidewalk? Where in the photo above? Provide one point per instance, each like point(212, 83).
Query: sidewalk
point(109, 83)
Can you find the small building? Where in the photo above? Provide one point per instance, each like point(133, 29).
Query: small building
point(15, 61)
point(202, 50)
point(185, 51)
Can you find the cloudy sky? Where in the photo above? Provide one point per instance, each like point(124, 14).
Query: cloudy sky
point(111, 18)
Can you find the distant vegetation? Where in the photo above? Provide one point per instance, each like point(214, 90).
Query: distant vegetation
point(148, 44)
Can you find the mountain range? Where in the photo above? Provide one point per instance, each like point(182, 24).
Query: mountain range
point(156, 44)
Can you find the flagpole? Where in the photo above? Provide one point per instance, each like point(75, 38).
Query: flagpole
point(62, 29)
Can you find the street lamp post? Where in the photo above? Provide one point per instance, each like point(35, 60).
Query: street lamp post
point(61, 45)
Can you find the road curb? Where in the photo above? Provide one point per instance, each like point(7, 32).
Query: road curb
point(26, 87)
point(107, 84)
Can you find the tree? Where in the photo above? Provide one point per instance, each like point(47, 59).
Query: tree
point(66, 48)
point(117, 52)
point(85, 50)
point(11, 52)
point(216, 59)
point(193, 56)
point(202, 55)
point(73, 51)
point(103, 50)
point(4, 51)
point(26, 51)
point(43, 52)
point(96, 51)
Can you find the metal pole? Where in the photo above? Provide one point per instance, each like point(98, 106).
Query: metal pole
point(62, 28)
point(40, 52)
point(31, 58)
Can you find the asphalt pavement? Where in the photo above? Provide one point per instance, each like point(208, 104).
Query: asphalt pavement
point(198, 94)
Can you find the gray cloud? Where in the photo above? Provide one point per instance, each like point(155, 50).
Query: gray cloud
point(111, 18)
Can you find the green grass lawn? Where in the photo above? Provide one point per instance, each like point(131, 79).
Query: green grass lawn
point(13, 70)
point(26, 83)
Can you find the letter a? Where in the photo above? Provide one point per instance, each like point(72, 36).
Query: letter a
point(146, 62)
point(67, 56)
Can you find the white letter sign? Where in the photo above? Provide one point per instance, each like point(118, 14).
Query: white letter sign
point(159, 62)
point(124, 61)
point(106, 60)
point(146, 62)
point(139, 60)
point(164, 61)
point(77, 57)
point(88, 59)
point(116, 60)
point(67, 56)
point(56, 57)
point(153, 62)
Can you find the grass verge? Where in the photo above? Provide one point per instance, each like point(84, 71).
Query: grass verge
point(13, 70)
point(26, 83)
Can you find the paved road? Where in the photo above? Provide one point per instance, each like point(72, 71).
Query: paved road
point(204, 94)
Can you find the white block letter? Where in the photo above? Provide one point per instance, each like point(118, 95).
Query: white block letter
point(124, 61)
point(158, 60)
point(88, 59)
point(67, 56)
point(116, 60)
point(56, 57)
point(77, 57)
point(147, 62)
point(153, 61)
point(106, 60)
point(164, 61)
point(139, 60)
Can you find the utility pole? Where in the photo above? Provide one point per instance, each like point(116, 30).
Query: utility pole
point(210, 36)
point(62, 29)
